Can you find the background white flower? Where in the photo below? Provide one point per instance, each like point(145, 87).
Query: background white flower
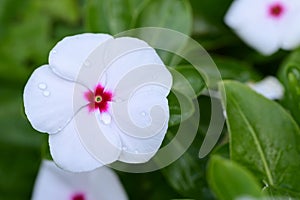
point(266, 25)
point(55, 183)
point(101, 99)
point(269, 87)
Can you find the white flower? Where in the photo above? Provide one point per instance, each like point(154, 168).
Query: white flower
point(101, 100)
point(266, 25)
point(269, 87)
point(55, 183)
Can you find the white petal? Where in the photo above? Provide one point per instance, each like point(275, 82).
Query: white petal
point(55, 183)
point(130, 60)
point(69, 55)
point(82, 145)
point(269, 87)
point(291, 26)
point(48, 100)
point(250, 21)
point(115, 58)
point(152, 102)
point(138, 147)
point(140, 150)
point(266, 41)
point(243, 11)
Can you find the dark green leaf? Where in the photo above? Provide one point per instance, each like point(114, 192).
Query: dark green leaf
point(187, 174)
point(19, 148)
point(172, 14)
point(230, 68)
point(263, 137)
point(235, 69)
point(181, 108)
point(186, 78)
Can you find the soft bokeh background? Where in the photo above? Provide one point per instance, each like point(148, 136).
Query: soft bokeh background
point(30, 28)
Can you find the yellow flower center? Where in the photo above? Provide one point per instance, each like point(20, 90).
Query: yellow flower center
point(98, 99)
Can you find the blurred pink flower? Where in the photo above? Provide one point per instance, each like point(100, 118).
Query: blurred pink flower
point(54, 183)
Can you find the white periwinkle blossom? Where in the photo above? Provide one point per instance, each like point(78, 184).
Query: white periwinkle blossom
point(100, 99)
point(269, 87)
point(55, 183)
point(266, 25)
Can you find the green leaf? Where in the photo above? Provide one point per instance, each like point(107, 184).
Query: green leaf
point(66, 10)
point(116, 16)
point(231, 68)
point(150, 186)
point(289, 75)
point(263, 137)
point(221, 150)
point(186, 77)
point(172, 14)
point(187, 174)
point(109, 16)
point(212, 10)
point(19, 148)
point(229, 180)
point(181, 108)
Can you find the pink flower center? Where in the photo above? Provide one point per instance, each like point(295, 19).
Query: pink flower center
point(276, 10)
point(98, 99)
point(78, 196)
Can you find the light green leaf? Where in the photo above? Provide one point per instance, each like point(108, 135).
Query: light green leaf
point(290, 77)
point(230, 181)
point(263, 137)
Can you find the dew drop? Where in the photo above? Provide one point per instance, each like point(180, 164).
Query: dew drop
point(118, 100)
point(225, 114)
point(46, 93)
point(42, 86)
point(124, 148)
point(106, 118)
point(143, 113)
point(54, 51)
point(136, 152)
point(87, 63)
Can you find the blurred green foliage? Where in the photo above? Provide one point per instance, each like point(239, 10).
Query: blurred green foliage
point(263, 154)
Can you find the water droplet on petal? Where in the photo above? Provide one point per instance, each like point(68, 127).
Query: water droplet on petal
point(54, 51)
point(46, 93)
point(118, 100)
point(136, 152)
point(143, 113)
point(87, 63)
point(124, 148)
point(42, 86)
point(106, 118)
